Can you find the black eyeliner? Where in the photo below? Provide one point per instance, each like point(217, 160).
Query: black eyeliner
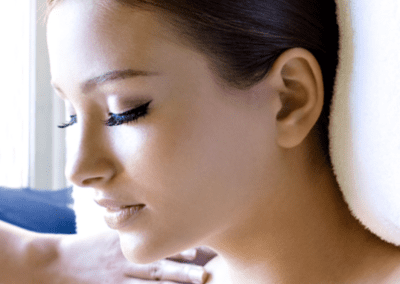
point(117, 119)
point(72, 121)
point(128, 116)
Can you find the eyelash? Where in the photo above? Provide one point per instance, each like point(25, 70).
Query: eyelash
point(117, 119)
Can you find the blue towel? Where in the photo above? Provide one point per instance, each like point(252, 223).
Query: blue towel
point(43, 211)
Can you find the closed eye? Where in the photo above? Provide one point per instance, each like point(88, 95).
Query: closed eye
point(118, 119)
point(72, 121)
point(129, 116)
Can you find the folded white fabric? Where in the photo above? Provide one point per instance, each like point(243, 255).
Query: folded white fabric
point(365, 113)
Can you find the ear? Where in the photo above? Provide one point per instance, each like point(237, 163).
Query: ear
point(296, 78)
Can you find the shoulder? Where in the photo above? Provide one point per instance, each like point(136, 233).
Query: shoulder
point(383, 269)
point(391, 271)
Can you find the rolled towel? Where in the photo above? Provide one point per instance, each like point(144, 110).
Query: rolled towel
point(365, 114)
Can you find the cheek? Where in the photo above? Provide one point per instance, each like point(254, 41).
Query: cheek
point(198, 156)
point(157, 153)
point(169, 156)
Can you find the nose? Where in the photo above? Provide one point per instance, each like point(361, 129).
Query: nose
point(89, 160)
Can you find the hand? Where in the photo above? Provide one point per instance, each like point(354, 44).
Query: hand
point(199, 256)
point(98, 259)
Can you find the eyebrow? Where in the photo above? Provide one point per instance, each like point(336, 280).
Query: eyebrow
point(110, 76)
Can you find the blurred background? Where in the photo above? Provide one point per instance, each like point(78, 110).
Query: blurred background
point(34, 193)
point(32, 148)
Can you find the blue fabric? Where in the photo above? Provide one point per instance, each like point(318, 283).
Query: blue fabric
point(43, 211)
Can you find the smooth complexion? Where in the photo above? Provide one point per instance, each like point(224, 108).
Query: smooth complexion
point(240, 171)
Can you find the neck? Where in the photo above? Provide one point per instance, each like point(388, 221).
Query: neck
point(306, 234)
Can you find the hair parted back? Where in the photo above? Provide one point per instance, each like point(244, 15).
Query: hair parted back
point(243, 38)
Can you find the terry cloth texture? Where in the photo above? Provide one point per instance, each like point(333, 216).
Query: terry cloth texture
point(365, 113)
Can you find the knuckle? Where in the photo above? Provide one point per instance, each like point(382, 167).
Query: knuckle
point(186, 270)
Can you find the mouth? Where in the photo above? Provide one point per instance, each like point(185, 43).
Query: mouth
point(118, 215)
point(117, 218)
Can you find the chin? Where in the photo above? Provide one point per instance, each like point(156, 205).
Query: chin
point(140, 256)
point(140, 250)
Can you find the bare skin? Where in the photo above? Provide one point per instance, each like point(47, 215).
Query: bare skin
point(332, 247)
point(30, 258)
point(239, 171)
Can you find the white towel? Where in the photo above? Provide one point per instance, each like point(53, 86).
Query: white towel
point(365, 113)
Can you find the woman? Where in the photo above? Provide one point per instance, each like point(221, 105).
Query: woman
point(204, 123)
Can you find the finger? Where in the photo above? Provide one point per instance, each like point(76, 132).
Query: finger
point(189, 254)
point(169, 271)
point(140, 281)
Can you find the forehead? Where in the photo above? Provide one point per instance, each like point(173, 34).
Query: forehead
point(87, 38)
point(100, 15)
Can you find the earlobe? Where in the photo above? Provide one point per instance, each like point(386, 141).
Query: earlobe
point(297, 79)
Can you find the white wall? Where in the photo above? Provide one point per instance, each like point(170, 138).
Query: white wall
point(47, 151)
point(14, 94)
point(32, 148)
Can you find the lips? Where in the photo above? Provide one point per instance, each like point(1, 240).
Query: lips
point(119, 215)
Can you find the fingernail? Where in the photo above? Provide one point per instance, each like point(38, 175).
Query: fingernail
point(198, 275)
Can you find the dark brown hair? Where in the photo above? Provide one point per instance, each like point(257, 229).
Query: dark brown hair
point(243, 38)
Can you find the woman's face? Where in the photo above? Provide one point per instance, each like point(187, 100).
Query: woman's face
point(200, 160)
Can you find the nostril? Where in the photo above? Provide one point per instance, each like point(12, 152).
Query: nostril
point(90, 181)
point(90, 172)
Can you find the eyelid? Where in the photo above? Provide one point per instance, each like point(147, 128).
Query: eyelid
point(118, 119)
point(128, 116)
point(131, 111)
